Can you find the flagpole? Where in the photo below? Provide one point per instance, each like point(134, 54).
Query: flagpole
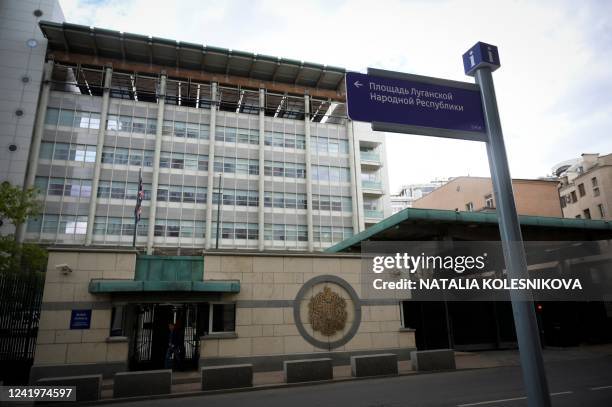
point(137, 208)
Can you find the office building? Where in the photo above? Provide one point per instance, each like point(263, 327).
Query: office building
point(260, 145)
point(410, 193)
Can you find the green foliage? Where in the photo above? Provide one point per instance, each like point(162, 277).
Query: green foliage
point(25, 258)
point(16, 204)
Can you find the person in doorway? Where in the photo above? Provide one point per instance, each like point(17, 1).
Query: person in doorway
point(173, 354)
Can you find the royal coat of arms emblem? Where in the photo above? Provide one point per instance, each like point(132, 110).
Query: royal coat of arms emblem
point(327, 312)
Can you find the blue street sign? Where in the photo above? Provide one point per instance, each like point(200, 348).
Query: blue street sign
point(480, 55)
point(80, 319)
point(404, 103)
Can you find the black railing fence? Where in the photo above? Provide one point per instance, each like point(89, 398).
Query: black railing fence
point(20, 300)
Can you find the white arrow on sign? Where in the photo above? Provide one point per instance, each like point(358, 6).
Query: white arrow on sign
point(358, 84)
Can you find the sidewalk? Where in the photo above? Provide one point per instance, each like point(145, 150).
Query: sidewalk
point(189, 382)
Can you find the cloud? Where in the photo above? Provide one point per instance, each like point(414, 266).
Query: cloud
point(553, 87)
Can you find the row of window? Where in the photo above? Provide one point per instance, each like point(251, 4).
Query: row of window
point(67, 151)
point(329, 146)
point(116, 226)
point(572, 197)
point(72, 118)
point(284, 169)
point(131, 124)
point(185, 129)
point(122, 190)
point(233, 165)
point(237, 135)
point(75, 188)
point(277, 139)
point(331, 203)
point(125, 156)
point(183, 161)
point(56, 224)
point(330, 173)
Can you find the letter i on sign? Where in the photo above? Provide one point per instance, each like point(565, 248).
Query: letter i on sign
point(491, 59)
point(472, 62)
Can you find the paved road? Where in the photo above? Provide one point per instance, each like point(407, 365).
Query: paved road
point(583, 383)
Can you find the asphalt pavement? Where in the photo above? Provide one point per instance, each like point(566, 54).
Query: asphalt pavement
point(583, 383)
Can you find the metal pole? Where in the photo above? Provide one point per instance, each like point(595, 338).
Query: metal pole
point(532, 363)
point(219, 211)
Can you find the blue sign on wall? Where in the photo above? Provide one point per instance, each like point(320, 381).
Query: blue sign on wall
point(480, 55)
point(416, 104)
point(80, 319)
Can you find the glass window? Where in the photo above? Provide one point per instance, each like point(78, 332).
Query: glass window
point(125, 123)
point(136, 157)
point(191, 162)
point(167, 128)
point(50, 223)
point(52, 116)
point(186, 228)
point(66, 118)
point(41, 184)
point(46, 150)
point(118, 190)
point(203, 162)
point(193, 130)
point(34, 225)
point(164, 159)
point(104, 188)
point(148, 158)
point(81, 119)
point(85, 188)
point(201, 194)
point(90, 154)
point(222, 318)
point(108, 155)
point(179, 129)
point(172, 228)
point(175, 193)
point(61, 151)
point(151, 126)
point(162, 193)
point(121, 156)
point(56, 186)
point(189, 194)
point(178, 160)
point(160, 227)
point(94, 121)
point(139, 125)
point(114, 226)
point(112, 123)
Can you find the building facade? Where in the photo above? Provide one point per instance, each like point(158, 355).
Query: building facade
point(254, 149)
point(585, 187)
point(22, 57)
point(536, 197)
point(410, 193)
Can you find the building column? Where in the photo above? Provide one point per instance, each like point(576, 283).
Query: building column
point(358, 204)
point(211, 166)
point(91, 214)
point(352, 161)
point(262, 157)
point(161, 103)
point(39, 127)
point(308, 173)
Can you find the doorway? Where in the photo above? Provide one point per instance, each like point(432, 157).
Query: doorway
point(151, 337)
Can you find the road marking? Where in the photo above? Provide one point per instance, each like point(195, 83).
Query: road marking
point(481, 403)
point(601, 388)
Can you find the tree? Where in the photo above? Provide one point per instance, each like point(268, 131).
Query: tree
point(16, 206)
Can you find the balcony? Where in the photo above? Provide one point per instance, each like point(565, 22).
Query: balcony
point(370, 159)
point(373, 214)
point(371, 187)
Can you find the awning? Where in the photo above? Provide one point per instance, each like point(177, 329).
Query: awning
point(165, 274)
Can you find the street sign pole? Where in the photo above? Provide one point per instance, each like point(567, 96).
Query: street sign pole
point(532, 364)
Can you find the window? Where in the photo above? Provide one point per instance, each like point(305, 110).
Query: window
point(594, 181)
point(587, 213)
point(489, 201)
point(581, 190)
point(469, 206)
point(596, 191)
point(116, 327)
point(574, 197)
point(222, 318)
point(601, 211)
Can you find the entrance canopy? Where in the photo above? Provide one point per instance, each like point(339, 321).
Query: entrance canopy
point(413, 224)
point(166, 274)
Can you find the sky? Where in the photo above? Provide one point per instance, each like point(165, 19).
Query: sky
point(554, 88)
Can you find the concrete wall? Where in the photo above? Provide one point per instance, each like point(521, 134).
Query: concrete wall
point(532, 197)
point(264, 315)
point(57, 344)
point(265, 321)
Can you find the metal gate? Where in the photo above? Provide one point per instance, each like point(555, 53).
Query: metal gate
point(150, 335)
point(20, 299)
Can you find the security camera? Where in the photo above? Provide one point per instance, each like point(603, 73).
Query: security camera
point(64, 268)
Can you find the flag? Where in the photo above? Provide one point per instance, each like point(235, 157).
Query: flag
point(139, 198)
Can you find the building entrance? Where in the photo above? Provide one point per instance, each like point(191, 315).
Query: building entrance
point(165, 336)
